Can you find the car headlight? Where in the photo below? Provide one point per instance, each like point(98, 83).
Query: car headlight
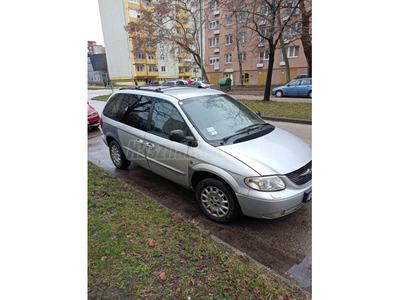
point(93, 113)
point(265, 183)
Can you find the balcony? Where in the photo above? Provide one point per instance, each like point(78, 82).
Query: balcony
point(216, 31)
point(216, 66)
point(216, 49)
point(216, 11)
point(261, 44)
point(260, 63)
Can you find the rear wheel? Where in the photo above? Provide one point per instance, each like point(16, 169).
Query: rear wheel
point(310, 94)
point(279, 94)
point(217, 201)
point(118, 157)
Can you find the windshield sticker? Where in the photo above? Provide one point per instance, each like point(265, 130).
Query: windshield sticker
point(211, 131)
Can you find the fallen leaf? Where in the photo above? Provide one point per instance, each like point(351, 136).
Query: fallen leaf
point(143, 226)
point(163, 276)
point(104, 258)
point(129, 236)
point(123, 253)
point(136, 254)
point(151, 243)
point(193, 281)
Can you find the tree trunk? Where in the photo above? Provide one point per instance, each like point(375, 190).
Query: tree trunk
point(306, 37)
point(267, 90)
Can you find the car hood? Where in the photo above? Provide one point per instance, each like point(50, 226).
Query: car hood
point(278, 152)
point(279, 87)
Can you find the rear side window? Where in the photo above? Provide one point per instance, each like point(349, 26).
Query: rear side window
point(306, 82)
point(129, 109)
point(112, 106)
point(136, 114)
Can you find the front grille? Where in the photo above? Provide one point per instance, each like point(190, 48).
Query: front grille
point(302, 175)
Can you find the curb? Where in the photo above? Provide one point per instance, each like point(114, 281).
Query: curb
point(299, 121)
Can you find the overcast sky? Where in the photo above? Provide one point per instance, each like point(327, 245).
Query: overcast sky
point(94, 30)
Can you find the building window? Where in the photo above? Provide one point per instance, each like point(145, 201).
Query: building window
point(228, 58)
point(242, 56)
point(213, 42)
point(150, 57)
point(134, 1)
point(243, 17)
point(153, 68)
point(161, 46)
point(163, 69)
point(134, 13)
point(139, 68)
point(162, 57)
point(242, 37)
point(292, 51)
point(213, 60)
point(228, 40)
point(228, 20)
point(142, 55)
point(214, 24)
point(263, 55)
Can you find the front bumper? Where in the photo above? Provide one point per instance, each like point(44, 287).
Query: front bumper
point(272, 205)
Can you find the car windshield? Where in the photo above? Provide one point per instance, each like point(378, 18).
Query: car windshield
point(221, 120)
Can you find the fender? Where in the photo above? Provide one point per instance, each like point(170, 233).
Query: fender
point(228, 178)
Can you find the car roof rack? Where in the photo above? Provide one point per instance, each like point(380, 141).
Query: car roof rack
point(159, 89)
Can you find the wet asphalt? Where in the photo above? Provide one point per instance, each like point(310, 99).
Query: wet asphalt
point(283, 245)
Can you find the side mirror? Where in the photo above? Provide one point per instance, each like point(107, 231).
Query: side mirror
point(258, 113)
point(178, 136)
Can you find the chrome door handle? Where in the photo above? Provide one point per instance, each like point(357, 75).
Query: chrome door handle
point(150, 146)
point(139, 141)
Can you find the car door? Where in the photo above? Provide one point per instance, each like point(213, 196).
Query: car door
point(304, 88)
point(133, 126)
point(291, 88)
point(165, 157)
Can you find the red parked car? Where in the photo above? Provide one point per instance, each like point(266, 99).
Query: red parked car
point(93, 117)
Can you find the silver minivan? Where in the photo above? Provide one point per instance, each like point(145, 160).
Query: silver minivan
point(209, 142)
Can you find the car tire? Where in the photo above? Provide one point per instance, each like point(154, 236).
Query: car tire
point(118, 157)
point(217, 201)
point(310, 94)
point(278, 94)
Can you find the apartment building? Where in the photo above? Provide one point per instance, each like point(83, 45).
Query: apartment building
point(125, 67)
point(221, 54)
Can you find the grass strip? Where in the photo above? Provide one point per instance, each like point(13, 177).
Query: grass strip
point(294, 110)
point(139, 250)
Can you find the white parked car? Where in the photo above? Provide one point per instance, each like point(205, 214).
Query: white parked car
point(209, 142)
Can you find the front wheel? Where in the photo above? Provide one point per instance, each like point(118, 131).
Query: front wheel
point(217, 201)
point(118, 157)
point(279, 94)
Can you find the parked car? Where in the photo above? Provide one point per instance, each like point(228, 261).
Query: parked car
point(203, 84)
point(301, 76)
point(209, 142)
point(298, 87)
point(174, 82)
point(93, 117)
point(155, 81)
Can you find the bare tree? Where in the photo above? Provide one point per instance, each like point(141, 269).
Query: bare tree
point(265, 21)
point(175, 23)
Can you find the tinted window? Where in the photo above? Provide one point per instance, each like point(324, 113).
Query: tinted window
point(112, 106)
point(136, 113)
point(166, 118)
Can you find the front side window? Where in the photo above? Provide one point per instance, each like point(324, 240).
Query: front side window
point(166, 118)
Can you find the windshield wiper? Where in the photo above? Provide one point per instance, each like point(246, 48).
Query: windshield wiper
point(251, 127)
